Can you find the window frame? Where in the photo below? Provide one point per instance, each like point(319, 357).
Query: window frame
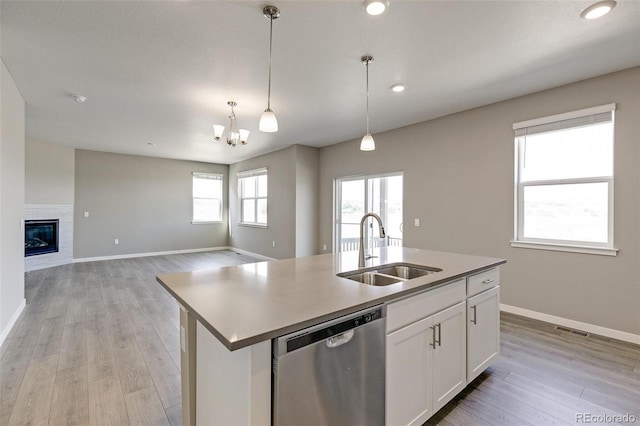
point(212, 176)
point(263, 171)
point(588, 247)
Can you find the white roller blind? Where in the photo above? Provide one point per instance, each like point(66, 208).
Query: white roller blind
point(583, 117)
point(250, 173)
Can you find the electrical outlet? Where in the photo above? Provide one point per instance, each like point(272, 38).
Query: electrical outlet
point(116, 241)
point(86, 214)
point(416, 222)
point(324, 247)
point(274, 243)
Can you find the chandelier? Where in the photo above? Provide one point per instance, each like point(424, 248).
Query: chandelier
point(234, 136)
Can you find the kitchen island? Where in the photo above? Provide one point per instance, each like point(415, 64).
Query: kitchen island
point(229, 316)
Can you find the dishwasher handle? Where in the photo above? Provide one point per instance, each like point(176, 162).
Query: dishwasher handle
point(340, 339)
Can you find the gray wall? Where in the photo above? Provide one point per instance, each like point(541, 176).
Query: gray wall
point(144, 202)
point(49, 173)
point(281, 206)
point(307, 175)
point(12, 146)
point(458, 179)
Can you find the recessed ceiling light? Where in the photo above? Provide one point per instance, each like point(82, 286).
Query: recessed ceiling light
point(376, 7)
point(598, 9)
point(80, 99)
point(398, 88)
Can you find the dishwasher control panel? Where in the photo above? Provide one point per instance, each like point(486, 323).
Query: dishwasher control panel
point(330, 329)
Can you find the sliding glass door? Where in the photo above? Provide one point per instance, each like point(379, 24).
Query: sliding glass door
point(357, 195)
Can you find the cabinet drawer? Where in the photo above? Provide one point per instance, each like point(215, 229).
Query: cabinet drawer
point(483, 281)
point(421, 305)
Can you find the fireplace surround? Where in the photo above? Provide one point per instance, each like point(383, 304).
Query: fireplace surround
point(63, 213)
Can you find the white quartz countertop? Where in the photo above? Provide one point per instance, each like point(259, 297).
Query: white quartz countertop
point(246, 304)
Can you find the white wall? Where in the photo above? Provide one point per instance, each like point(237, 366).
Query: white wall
point(307, 168)
point(281, 206)
point(49, 173)
point(458, 179)
point(292, 205)
point(144, 202)
point(12, 147)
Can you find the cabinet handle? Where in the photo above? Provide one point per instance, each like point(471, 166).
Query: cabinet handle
point(488, 281)
point(439, 325)
point(433, 345)
point(475, 319)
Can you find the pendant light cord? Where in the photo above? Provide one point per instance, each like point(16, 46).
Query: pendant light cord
point(270, 49)
point(367, 64)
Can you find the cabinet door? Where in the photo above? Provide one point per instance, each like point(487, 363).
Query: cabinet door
point(449, 355)
point(483, 331)
point(408, 375)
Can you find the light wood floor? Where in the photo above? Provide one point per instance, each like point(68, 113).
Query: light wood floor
point(99, 344)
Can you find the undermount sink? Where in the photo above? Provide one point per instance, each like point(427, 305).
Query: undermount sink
point(389, 274)
point(373, 278)
point(407, 272)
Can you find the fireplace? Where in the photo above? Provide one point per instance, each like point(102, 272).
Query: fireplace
point(40, 237)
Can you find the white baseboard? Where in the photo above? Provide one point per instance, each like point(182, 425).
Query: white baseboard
point(577, 325)
point(5, 332)
point(155, 253)
point(248, 253)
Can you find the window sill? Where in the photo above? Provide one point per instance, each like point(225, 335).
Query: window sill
point(252, 225)
point(205, 222)
point(602, 251)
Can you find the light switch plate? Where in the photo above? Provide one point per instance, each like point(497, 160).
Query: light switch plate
point(86, 214)
point(416, 222)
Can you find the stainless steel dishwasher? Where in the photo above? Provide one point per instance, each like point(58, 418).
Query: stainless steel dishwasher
point(332, 373)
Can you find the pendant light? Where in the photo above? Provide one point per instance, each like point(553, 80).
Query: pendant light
point(268, 121)
point(235, 135)
point(367, 143)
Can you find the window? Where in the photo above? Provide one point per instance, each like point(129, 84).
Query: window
point(207, 197)
point(564, 182)
point(357, 195)
point(252, 190)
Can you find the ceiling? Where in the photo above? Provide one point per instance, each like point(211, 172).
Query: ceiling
point(161, 72)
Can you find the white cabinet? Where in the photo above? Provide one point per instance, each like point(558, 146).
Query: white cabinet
point(483, 331)
point(408, 374)
point(425, 366)
point(437, 342)
point(449, 367)
point(482, 281)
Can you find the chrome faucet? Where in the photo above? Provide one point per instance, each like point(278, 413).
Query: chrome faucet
point(382, 235)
